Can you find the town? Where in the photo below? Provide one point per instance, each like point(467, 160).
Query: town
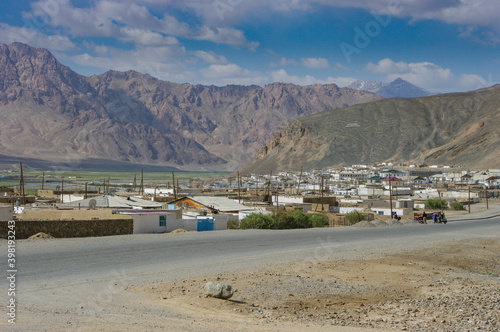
point(75, 207)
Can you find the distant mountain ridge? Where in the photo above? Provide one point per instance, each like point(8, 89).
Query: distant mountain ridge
point(399, 88)
point(51, 113)
point(456, 128)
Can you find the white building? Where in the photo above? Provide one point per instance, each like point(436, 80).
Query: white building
point(165, 221)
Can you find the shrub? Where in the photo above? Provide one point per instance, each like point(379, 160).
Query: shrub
point(233, 224)
point(457, 205)
point(354, 217)
point(257, 220)
point(435, 203)
point(319, 220)
point(284, 220)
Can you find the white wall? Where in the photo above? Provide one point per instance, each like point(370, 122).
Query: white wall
point(221, 221)
point(370, 191)
point(288, 200)
point(348, 209)
point(6, 213)
point(150, 223)
point(387, 212)
point(71, 198)
point(159, 191)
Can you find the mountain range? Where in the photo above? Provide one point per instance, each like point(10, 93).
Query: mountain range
point(51, 115)
point(398, 88)
point(453, 129)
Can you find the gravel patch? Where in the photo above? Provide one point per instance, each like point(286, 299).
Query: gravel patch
point(363, 224)
point(379, 223)
point(394, 222)
point(409, 221)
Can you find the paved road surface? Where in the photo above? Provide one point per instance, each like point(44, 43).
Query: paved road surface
point(64, 275)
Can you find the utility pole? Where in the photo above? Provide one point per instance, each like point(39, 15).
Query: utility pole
point(134, 183)
point(469, 199)
point(21, 184)
point(141, 188)
point(486, 195)
point(300, 180)
point(322, 206)
point(440, 195)
point(239, 197)
point(269, 182)
point(390, 193)
point(277, 198)
point(173, 183)
point(85, 196)
point(43, 179)
point(62, 190)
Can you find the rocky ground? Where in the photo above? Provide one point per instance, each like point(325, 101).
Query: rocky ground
point(447, 287)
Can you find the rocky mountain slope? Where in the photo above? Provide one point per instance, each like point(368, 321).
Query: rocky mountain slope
point(458, 128)
point(398, 88)
point(48, 112)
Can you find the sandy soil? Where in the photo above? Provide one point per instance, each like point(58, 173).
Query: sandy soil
point(448, 287)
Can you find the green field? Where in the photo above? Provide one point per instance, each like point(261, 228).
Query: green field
point(33, 179)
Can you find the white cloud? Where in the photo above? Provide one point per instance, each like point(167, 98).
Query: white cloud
point(34, 37)
point(283, 62)
point(473, 82)
point(166, 63)
point(146, 37)
point(210, 57)
point(387, 66)
point(232, 74)
point(229, 36)
point(482, 13)
point(427, 75)
point(316, 63)
point(282, 76)
point(128, 21)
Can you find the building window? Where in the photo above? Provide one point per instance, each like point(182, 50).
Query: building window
point(380, 213)
point(163, 221)
point(179, 204)
point(186, 204)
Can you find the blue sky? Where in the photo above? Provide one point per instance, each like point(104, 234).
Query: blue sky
point(442, 46)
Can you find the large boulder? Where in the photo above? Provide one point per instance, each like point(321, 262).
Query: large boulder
point(215, 289)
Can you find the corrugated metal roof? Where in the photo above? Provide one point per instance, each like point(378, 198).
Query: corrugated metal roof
point(222, 204)
point(113, 201)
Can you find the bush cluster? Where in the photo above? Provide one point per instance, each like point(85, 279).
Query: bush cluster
point(284, 220)
point(354, 217)
point(435, 203)
point(457, 206)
